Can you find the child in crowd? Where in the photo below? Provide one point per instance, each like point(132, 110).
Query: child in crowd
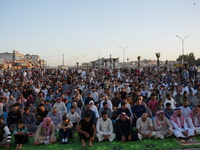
point(65, 130)
point(32, 108)
point(20, 134)
point(47, 105)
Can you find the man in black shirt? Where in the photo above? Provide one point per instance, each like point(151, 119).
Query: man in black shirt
point(124, 129)
point(89, 98)
point(13, 116)
point(90, 112)
point(124, 109)
point(42, 113)
point(86, 130)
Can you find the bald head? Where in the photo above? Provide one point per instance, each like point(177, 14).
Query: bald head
point(144, 116)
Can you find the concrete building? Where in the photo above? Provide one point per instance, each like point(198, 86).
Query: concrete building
point(106, 63)
point(18, 60)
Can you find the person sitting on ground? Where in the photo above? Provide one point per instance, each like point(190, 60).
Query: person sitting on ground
point(94, 108)
point(5, 135)
point(124, 128)
point(162, 125)
point(41, 114)
point(104, 128)
point(65, 129)
point(137, 111)
point(171, 101)
point(108, 101)
point(144, 127)
point(60, 106)
point(185, 109)
point(21, 134)
point(74, 117)
point(90, 112)
point(30, 120)
point(86, 129)
point(77, 109)
point(193, 120)
point(13, 117)
point(89, 98)
point(45, 133)
point(168, 110)
point(124, 108)
point(152, 104)
point(47, 105)
point(107, 109)
point(32, 108)
point(179, 124)
point(55, 116)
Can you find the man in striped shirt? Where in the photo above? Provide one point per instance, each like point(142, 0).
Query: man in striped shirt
point(5, 135)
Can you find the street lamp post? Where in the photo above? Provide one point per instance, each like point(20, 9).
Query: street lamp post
point(182, 41)
point(98, 52)
point(123, 53)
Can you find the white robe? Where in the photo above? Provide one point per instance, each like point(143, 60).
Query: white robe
point(104, 127)
point(185, 111)
point(195, 125)
point(178, 131)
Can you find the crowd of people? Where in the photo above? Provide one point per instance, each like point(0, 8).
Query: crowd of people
point(122, 104)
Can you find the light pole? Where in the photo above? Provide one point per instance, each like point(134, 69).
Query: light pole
point(123, 53)
point(98, 52)
point(75, 60)
point(63, 60)
point(182, 40)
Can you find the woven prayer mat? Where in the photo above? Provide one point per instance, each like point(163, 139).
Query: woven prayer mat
point(190, 141)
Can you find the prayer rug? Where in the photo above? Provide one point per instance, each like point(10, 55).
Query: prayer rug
point(190, 141)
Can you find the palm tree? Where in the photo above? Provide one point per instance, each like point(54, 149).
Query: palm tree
point(158, 56)
point(138, 58)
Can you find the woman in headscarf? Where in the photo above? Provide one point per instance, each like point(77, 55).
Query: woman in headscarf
point(94, 108)
point(162, 126)
point(45, 133)
point(193, 120)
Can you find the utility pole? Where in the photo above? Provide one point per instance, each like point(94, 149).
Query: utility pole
point(63, 60)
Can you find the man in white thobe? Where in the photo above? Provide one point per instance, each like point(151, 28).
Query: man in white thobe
point(185, 109)
point(179, 124)
point(104, 128)
point(193, 120)
point(162, 125)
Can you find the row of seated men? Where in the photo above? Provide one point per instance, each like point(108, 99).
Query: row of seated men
point(88, 126)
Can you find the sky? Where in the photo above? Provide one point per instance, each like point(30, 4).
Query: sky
point(80, 29)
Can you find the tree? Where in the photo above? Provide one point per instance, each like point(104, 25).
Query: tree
point(188, 58)
point(138, 58)
point(158, 56)
point(197, 62)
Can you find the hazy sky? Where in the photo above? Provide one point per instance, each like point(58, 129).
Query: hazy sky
point(78, 28)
